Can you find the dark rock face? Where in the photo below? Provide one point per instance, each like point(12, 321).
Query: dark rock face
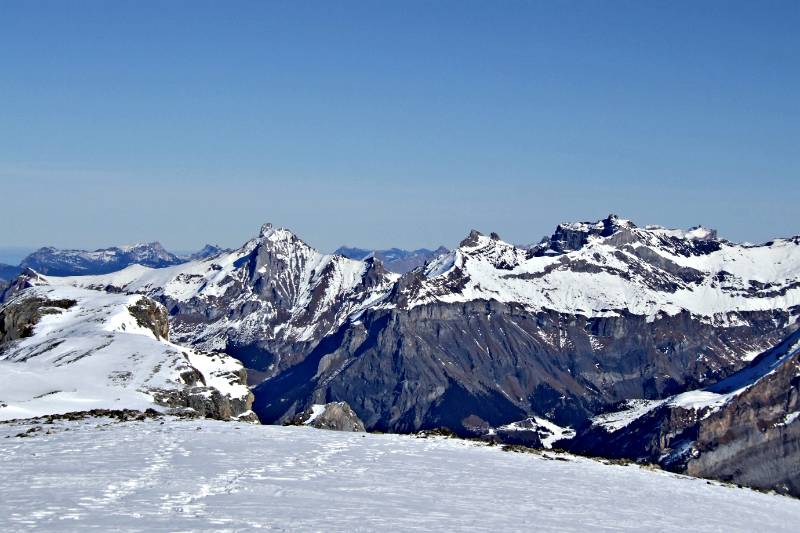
point(18, 318)
point(394, 259)
point(152, 316)
point(574, 236)
point(337, 416)
point(207, 403)
point(571, 237)
point(755, 440)
point(55, 262)
point(752, 439)
point(439, 365)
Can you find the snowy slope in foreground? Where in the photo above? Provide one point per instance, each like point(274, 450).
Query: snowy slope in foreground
point(94, 353)
point(207, 475)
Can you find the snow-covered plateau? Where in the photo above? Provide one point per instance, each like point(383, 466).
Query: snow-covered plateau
point(226, 476)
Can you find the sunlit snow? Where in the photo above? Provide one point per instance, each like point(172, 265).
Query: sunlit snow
point(207, 475)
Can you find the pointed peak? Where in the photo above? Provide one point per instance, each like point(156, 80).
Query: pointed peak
point(271, 233)
point(266, 229)
point(270, 237)
point(472, 239)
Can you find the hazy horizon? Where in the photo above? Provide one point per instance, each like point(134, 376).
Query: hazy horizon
point(14, 254)
point(376, 125)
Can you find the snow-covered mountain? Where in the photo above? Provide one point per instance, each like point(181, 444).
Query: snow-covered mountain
point(490, 339)
point(261, 302)
point(492, 333)
point(612, 266)
point(394, 259)
point(68, 349)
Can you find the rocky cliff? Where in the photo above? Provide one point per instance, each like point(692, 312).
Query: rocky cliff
point(743, 429)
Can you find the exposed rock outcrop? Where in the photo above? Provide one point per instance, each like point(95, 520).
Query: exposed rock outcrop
point(207, 402)
point(337, 416)
point(151, 315)
point(17, 319)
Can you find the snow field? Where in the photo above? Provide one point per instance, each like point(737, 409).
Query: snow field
point(224, 476)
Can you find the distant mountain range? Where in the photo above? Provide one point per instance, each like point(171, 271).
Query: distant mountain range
point(67, 262)
point(394, 259)
point(646, 343)
point(64, 262)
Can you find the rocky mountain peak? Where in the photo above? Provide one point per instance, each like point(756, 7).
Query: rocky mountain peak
point(477, 246)
point(471, 240)
point(271, 234)
point(572, 236)
point(266, 229)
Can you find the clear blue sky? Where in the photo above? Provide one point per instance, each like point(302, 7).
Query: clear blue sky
point(394, 124)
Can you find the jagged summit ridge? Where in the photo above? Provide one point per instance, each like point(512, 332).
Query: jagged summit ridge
point(604, 267)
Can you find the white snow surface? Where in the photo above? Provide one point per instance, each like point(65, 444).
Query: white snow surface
point(223, 476)
point(96, 355)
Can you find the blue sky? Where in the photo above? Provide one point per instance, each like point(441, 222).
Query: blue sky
point(394, 124)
